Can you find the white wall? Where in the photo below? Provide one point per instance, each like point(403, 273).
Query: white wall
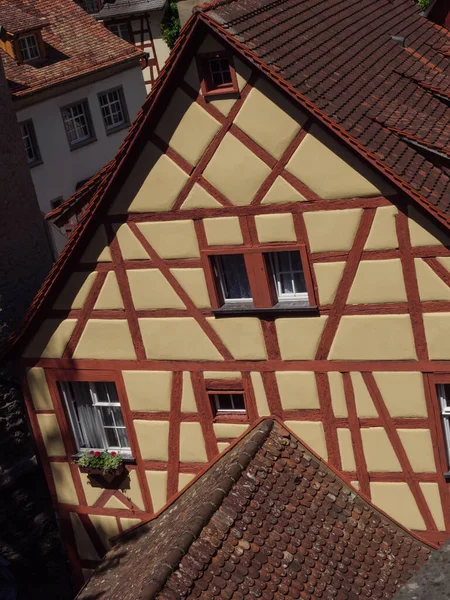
point(62, 168)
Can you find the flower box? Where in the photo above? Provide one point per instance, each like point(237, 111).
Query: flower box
point(108, 476)
point(107, 465)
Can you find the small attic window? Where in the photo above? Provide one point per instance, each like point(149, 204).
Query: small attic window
point(217, 74)
point(29, 47)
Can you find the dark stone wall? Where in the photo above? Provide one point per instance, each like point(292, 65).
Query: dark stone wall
point(29, 536)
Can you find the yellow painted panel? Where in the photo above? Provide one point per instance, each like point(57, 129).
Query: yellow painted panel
point(281, 191)
point(330, 230)
point(298, 389)
point(98, 248)
point(222, 374)
point(51, 435)
point(262, 405)
point(397, 501)
point(328, 277)
point(374, 337)
point(346, 449)
point(346, 176)
point(114, 502)
point(299, 338)
point(130, 246)
point(192, 443)
point(106, 528)
point(128, 523)
point(151, 290)
point(445, 261)
point(269, 118)
point(437, 331)
point(420, 236)
point(172, 239)
point(223, 231)
point(157, 483)
point(176, 339)
point(225, 171)
point(198, 197)
point(153, 438)
point(242, 336)
point(378, 281)
point(275, 228)
point(39, 391)
point(378, 451)
point(188, 403)
point(186, 127)
point(75, 292)
point(92, 493)
point(153, 185)
point(431, 286)
point(85, 548)
point(110, 297)
point(148, 390)
point(51, 339)
point(312, 434)
point(355, 484)
point(134, 493)
point(383, 234)
point(194, 284)
point(107, 339)
point(403, 393)
point(433, 499)
point(65, 488)
point(222, 446)
point(365, 407)
point(338, 401)
point(229, 430)
point(419, 448)
point(184, 479)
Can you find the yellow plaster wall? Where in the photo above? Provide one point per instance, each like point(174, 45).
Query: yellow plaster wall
point(151, 290)
point(40, 394)
point(373, 337)
point(338, 401)
point(148, 390)
point(242, 336)
point(194, 284)
point(225, 171)
point(75, 292)
point(92, 493)
point(172, 239)
point(437, 331)
point(85, 548)
point(157, 483)
point(262, 405)
point(129, 523)
point(51, 435)
point(431, 286)
point(403, 393)
point(299, 338)
point(346, 449)
point(378, 281)
point(110, 297)
point(222, 374)
point(275, 228)
point(433, 499)
point(186, 127)
point(298, 390)
point(107, 339)
point(328, 277)
point(188, 403)
point(282, 191)
point(396, 499)
point(114, 502)
point(152, 186)
point(98, 249)
point(419, 448)
point(365, 407)
point(192, 443)
point(222, 446)
point(129, 245)
point(223, 231)
point(132, 490)
point(62, 478)
point(423, 233)
point(330, 170)
point(383, 234)
point(330, 230)
point(106, 528)
point(378, 451)
point(312, 434)
point(153, 438)
point(178, 338)
point(51, 339)
point(184, 479)
point(229, 430)
point(198, 197)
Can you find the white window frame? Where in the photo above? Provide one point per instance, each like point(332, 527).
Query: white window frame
point(445, 414)
point(215, 396)
point(71, 125)
point(277, 271)
point(29, 47)
point(30, 142)
point(118, 28)
point(107, 101)
point(70, 401)
point(222, 281)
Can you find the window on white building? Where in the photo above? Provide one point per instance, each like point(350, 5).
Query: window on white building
point(95, 415)
point(77, 122)
point(232, 275)
point(112, 105)
point(122, 30)
point(288, 275)
point(30, 142)
point(29, 47)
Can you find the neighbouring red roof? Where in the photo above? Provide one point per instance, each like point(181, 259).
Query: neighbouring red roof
point(76, 45)
point(267, 520)
point(15, 20)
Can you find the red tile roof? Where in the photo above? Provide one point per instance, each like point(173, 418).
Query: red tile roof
point(267, 520)
point(15, 20)
point(76, 45)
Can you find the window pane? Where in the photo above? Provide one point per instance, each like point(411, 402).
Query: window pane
point(220, 71)
point(228, 402)
point(238, 401)
point(224, 401)
point(233, 277)
point(288, 275)
point(112, 438)
point(286, 283)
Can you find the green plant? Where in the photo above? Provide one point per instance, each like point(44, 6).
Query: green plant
point(108, 462)
point(423, 3)
point(170, 25)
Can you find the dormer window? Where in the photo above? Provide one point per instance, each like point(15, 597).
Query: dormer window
point(29, 48)
point(217, 74)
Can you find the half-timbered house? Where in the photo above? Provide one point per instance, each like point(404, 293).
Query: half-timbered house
point(271, 239)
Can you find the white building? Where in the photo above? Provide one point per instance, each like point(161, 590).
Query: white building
point(76, 88)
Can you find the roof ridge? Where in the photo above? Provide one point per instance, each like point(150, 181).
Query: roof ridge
point(207, 510)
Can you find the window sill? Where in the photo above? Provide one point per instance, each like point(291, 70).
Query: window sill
point(82, 144)
point(36, 163)
point(113, 130)
point(230, 91)
point(126, 460)
point(282, 309)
